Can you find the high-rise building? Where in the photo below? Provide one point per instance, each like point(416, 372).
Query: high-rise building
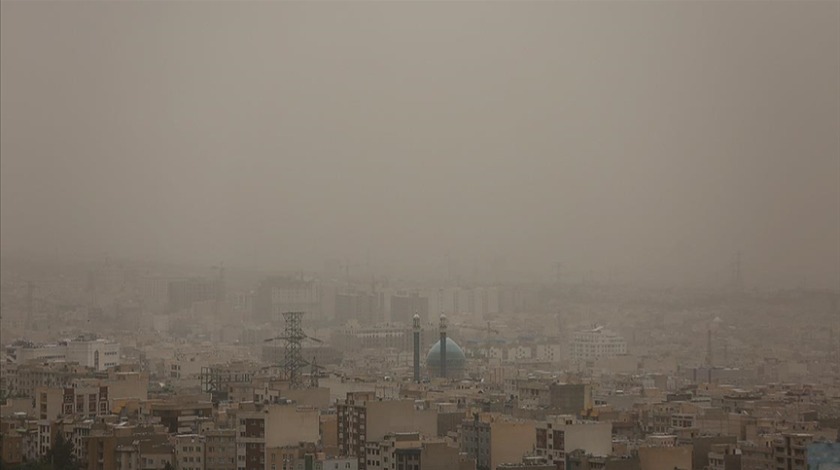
point(279, 294)
point(403, 308)
point(360, 306)
point(182, 293)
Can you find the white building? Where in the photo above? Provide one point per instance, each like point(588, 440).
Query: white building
point(559, 435)
point(44, 353)
point(519, 353)
point(98, 354)
point(549, 352)
point(596, 342)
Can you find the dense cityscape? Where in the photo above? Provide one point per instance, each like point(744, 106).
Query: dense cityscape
point(217, 369)
point(419, 235)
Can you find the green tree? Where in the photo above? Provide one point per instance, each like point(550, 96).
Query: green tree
point(61, 455)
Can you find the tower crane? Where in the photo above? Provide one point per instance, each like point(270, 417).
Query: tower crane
point(487, 329)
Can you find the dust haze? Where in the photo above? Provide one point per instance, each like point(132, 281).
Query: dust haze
point(638, 141)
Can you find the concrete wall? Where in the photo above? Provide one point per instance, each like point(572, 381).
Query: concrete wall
point(665, 458)
point(394, 416)
point(53, 402)
point(288, 425)
point(510, 441)
point(438, 456)
point(128, 385)
point(314, 397)
point(594, 438)
point(329, 431)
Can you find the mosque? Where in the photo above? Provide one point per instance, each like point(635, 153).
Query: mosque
point(447, 361)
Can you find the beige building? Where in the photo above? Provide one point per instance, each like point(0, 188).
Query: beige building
point(493, 439)
point(189, 452)
point(220, 449)
point(266, 426)
point(665, 458)
point(133, 447)
point(411, 451)
point(790, 451)
point(364, 418)
point(559, 435)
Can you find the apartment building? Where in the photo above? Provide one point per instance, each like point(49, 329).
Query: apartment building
point(190, 452)
point(559, 435)
point(220, 449)
point(264, 426)
point(492, 439)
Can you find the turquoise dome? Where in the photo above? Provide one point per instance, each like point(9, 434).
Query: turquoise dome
point(455, 359)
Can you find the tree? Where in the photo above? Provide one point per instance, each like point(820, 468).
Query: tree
point(61, 455)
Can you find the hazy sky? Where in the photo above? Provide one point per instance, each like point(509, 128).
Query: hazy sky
point(649, 139)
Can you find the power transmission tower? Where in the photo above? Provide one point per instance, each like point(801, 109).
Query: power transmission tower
point(293, 334)
point(293, 361)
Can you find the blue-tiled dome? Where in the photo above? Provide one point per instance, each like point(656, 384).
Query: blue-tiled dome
point(455, 359)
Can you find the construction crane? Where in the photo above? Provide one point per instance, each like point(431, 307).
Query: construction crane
point(345, 266)
point(487, 329)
